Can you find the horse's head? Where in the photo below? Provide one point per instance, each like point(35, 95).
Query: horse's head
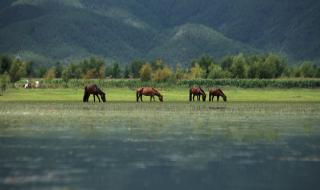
point(160, 98)
point(224, 98)
point(204, 96)
point(103, 97)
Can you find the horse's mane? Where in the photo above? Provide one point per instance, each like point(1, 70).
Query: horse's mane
point(201, 90)
point(156, 91)
point(220, 91)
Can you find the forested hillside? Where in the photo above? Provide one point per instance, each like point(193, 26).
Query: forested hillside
point(175, 31)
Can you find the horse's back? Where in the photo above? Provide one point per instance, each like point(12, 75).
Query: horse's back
point(139, 89)
point(93, 89)
point(147, 90)
point(196, 90)
point(216, 91)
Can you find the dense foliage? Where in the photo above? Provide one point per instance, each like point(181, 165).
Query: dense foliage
point(240, 66)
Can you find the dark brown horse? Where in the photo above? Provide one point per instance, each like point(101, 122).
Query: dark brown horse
point(197, 91)
point(216, 92)
point(148, 91)
point(93, 89)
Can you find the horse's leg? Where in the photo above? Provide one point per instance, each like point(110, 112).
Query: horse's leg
point(218, 98)
point(150, 98)
point(94, 98)
point(98, 98)
point(154, 99)
point(141, 98)
point(193, 97)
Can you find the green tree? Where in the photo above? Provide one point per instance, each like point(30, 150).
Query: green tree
point(59, 69)
point(66, 74)
point(226, 62)
point(157, 64)
point(180, 73)
point(17, 70)
point(278, 63)
point(307, 70)
point(216, 72)
point(163, 75)
point(108, 71)
point(92, 64)
point(318, 72)
point(146, 72)
point(204, 62)
point(197, 72)
point(102, 72)
point(74, 70)
point(51, 74)
point(135, 68)
point(90, 74)
point(116, 71)
point(239, 66)
point(126, 73)
point(253, 70)
point(5, 63)
point(30, 69)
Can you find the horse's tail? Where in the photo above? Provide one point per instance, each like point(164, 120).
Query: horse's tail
point(190, 94)
point(85, 95)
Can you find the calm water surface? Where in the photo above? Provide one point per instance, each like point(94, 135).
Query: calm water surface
point(160, 146)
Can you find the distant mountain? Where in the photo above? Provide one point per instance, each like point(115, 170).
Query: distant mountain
point(190, 41)
point(174, 30)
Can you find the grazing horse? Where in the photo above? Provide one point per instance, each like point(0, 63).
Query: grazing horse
point(197, 91)
point(93, 89)
point(216, 92)
point(148, 91)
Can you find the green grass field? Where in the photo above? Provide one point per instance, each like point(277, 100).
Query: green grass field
point(170, 95)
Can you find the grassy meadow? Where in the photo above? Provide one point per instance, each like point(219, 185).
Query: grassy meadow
point(170, 95)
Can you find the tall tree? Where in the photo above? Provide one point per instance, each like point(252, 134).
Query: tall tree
point(17, 70)
point(146, 72)
point(5, 63)
point(239, 66)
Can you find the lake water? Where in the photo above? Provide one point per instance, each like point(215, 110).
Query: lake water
point(160, 146)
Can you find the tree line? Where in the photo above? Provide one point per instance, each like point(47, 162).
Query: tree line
point(241, 66)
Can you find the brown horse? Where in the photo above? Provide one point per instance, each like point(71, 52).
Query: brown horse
point(216, 92)
point(93, 89)
point(148, 91)
point(197, 91)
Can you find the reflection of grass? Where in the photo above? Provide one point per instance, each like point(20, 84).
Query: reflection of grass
point(247, 122)
point(176, 94)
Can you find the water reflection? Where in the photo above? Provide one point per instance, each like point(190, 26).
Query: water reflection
point(252, 149)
